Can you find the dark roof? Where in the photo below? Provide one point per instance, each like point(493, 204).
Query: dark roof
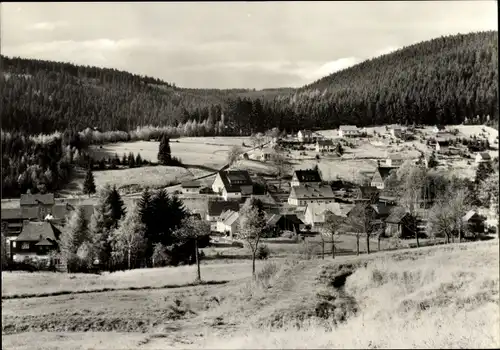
point(308, 175)
point(32, 199)
point(63, 211)
point(234, 179)
point(325, 142)
point(382, 210)
point(368, 192)
point(275, 218)
point(19, 213)
point(37, 231)
point(45, 242)
point(396, 215)
point(191, 184)
point(385, 171)
point(215, 208)
point(485, 155)
point(312, 191)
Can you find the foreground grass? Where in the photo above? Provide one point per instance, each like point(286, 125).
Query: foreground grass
point(436, 297)
point(42, 283)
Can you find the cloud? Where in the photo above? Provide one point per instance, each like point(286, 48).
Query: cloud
point(46, 26)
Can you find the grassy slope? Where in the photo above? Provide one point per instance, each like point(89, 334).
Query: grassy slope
point(432, 297)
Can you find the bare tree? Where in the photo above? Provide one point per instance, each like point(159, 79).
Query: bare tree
point(193, 229)
point(282, 165)
point(361, 220)
point(251, 226)
point(333, 223)
point(233, 154)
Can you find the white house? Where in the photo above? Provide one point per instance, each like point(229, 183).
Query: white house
point(233, 184)
point(348, 130)
point(304, 135)
point(316, 213)
point(394, 160)
point(191, 187)
point(228, 223)
point(396, 130)
point(325, 145)
point(303, 177)
point(482, 157)
point(305, 194)
point(216, 208)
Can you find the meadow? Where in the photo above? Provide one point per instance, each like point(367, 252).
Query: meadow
point(433, 297)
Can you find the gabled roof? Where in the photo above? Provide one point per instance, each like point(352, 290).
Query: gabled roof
point(485, 155)
point(191, 184)
point(275, 218)
point(234, 179)
point(306, 132)
point(348, 127)
point(216, 208)
point(37, 231)
point(19, 213)
point(384, 171)
point(44, 242)
point(396, 215)
point(320, 210)
point(469, 215)
point(311, 192)
point(307, 175)
point(63, 211)
point(382, 209)
point(394, 156)
point(231, 217)
point(33, 199)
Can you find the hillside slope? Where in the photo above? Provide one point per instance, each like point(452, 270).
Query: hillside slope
point(442, 80)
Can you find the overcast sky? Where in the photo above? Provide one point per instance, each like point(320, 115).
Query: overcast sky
point(238, 44)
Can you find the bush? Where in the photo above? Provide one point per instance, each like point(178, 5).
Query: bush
point(263, 252)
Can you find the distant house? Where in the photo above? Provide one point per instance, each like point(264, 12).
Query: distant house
point(482, 157)
point(233, 184)
point(36, 241)
point(396, 130)
point(348, 130)
point(394, 160)
point(325, 145)
point(216, 208)
point(191, 187)
point(227, 222)
point(43, 203)
point(474, 222)
point(284, 222)
point(316, 213)
point(437, 128)
point(305, 194)
point(305, 136)
point(399, 223)
point(381, 174)
point(265, 155)
point(305, 177)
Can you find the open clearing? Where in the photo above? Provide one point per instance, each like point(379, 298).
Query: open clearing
point(435, 297)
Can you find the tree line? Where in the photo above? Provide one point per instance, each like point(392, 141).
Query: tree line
point(444, 81)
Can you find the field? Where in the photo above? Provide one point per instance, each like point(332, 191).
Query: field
point(436, 297)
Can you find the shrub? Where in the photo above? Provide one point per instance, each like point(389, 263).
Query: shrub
point(263, 252)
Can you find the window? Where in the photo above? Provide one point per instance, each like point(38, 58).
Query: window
point(25, 246)
point(14, 244)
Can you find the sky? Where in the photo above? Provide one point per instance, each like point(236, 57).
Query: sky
point(232, 44)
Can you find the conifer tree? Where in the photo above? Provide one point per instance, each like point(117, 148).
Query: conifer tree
point(74, 234)
point(117, 206)
point(138, 160)
point(164, 153)
point(100, 227)
point(131, 160)
point(89, 183)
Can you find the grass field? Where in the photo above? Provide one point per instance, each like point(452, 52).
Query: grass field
point(435, 297)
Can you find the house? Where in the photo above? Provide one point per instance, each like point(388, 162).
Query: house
point(284, 222)
point(325, 145)
point(316, 213)
point(216, 208)
point(191, 187)
point(233, 184)
point(304, 194)
point(482, 157)
point(473, 222)
point(396, 130)
point(36, 241)
point(381, 174)
point(305, 136)
point(366, 193)
point(438, 128)
point(43, 202)
point(305, 177)
point(348, 130)
point(399, 223)
point(265, 155)
point(227, 223)
point(394, 160)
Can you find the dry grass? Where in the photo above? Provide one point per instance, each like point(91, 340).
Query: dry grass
point(22, 283)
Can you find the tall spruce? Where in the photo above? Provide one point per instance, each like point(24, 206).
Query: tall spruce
point(161, 219)
point(145, 209)
point(74, 234)
point(89, 183)
point(117, 206)
point(164, 153)
point(100, 227)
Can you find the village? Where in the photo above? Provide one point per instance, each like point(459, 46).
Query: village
point(297, 202)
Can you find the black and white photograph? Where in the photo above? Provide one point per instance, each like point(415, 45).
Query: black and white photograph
point(250, 175)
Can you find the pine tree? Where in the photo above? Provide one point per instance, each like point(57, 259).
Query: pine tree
point(145, 207)
point(164, 153)
point(124, 159)
point(88, 183)
point(100, 227)
point(116, 159)
point(483, 170)
point(138, 160)
point(131, 160)
point(117, 206)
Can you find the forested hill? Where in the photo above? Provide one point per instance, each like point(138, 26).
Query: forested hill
point(438, 81)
